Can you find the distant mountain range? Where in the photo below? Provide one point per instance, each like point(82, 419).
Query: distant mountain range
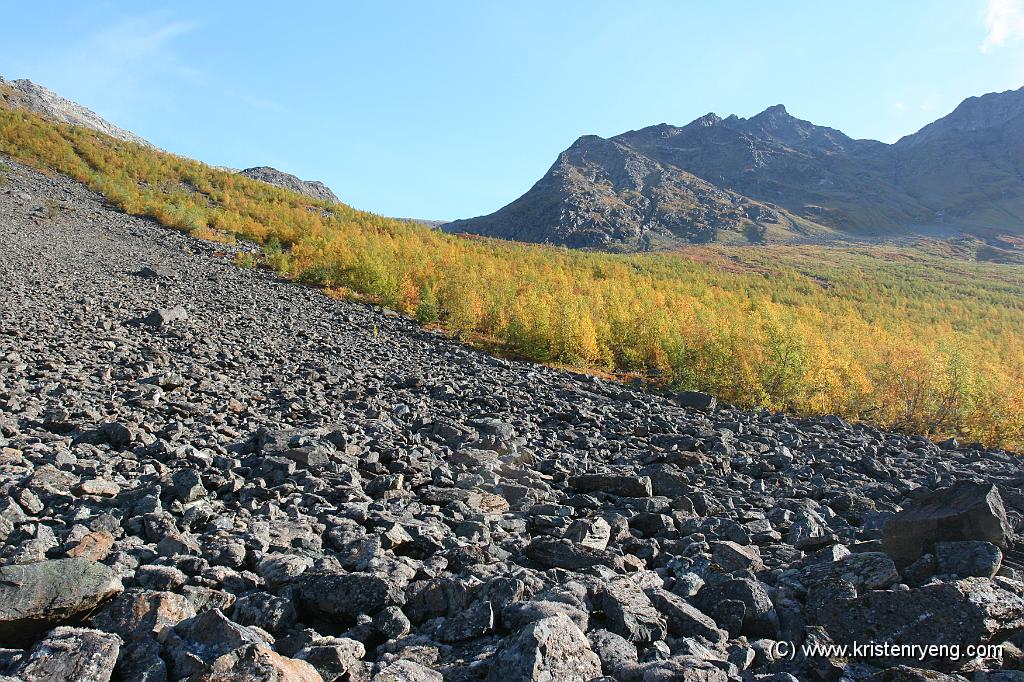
point(774, 177)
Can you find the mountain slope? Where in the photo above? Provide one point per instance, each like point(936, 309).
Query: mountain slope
point(961, 173)
point(25, 94)
point(803, 329)
point(606, 193)
point(969, 165)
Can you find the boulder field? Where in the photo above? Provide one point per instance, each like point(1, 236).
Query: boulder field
point(207, 473)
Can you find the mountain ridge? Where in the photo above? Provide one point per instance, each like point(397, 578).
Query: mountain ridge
point(23, 93)
point(958, 173)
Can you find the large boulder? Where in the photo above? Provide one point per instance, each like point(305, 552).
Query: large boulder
point(743, 600)
point(141, 614)
point(547, 650)
point(557, 553)
point(965, 511)
point(973, 610)
point(347, 594)
point(630, 613)
point(624, 485)
point(685, 620)
point(35, 597)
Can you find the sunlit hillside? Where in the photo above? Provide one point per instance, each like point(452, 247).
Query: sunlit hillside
point(906, 337)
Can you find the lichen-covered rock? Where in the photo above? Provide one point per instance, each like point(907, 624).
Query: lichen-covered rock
point(630, 613)
point(549, 649)
point(139, 614)
point(69, 653)
point(347, 594)
point(34, 597)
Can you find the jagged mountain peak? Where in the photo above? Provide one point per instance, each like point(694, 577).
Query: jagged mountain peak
point(707, 120)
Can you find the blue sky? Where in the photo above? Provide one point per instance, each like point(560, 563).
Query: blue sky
point(452, 109)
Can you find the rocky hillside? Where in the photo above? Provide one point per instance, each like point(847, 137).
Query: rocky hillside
point(26, 94)
point(210, 474)
point(776, 177)
point(314, 189)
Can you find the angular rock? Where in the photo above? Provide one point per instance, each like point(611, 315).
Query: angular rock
point(685, 620)
point(735, 557)
point(69, 653)
point(549, 649)
point(613, 484)
point(253, 663)
point(140, 614)
point(970, 610)
point(35, 597)
point(165, 316)
point(564, 554)
point(347, 595)
point(968, 558)
point(964, 511)
point(758, 615)
point(475, 621)
point(341, 658)
point(592, 533)
point(630, 613)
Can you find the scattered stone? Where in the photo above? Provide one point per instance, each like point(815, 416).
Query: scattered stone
point(164, 316)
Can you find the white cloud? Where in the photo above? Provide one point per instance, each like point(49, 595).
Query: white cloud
point(1005, 22)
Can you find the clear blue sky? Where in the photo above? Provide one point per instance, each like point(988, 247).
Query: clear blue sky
point(451, 109)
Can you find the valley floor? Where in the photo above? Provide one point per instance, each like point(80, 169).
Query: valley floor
point(279, 483)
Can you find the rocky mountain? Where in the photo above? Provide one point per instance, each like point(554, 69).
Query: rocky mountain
point(776, 177)
point(208, 473)
point(313, 189)
point(26, 94)
point(606, 193)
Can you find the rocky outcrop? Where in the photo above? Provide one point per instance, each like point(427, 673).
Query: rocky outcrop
point(291, 487)
point(309, 188)
point(774, 177)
